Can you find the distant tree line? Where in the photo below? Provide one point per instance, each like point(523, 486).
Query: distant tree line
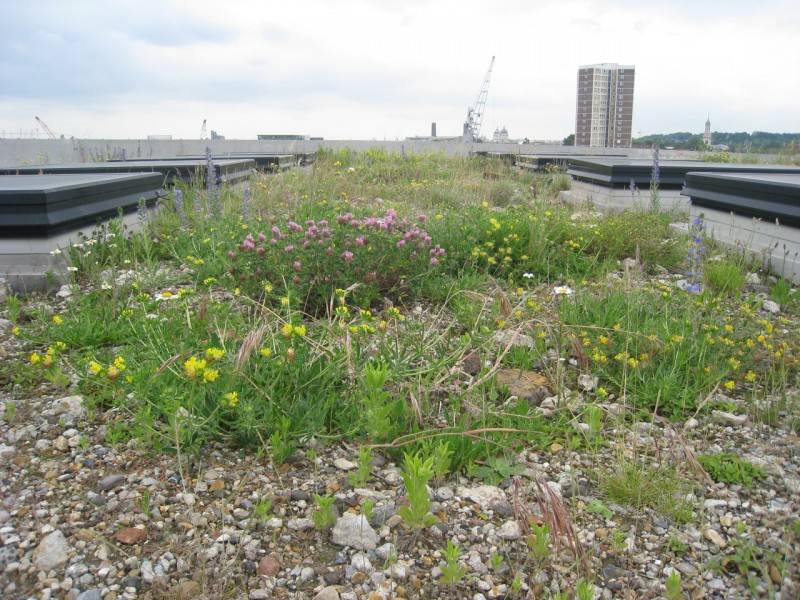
point(758, 141)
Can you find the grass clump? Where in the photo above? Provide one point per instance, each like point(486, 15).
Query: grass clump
point(725, 277)
point(729, 468)
point(641, 486)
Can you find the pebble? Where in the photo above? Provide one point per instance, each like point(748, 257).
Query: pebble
point(714, 537)
point(52, 551)
point(726, 418)
point(327, 593)
point(771, 307)
point(509, 531)
point(110, 482)
point(354, 531)
point(343, 464)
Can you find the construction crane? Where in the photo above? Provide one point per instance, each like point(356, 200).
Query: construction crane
point(203, 134)
point(472, 126)
point(47, 130)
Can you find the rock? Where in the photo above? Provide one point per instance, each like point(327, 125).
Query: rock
point(269, 566)
point(65, 291)
point(300, 524)
point(306, 574)
point(343, 464)
point(130, 535)
point(109, 482)
point(327, 593)
point(714, 537)
point(771, 307)
point(472, 363)
point(360, 562)
point(726, 418)
point(488, 497)
point(444, 493)
point(514, 338)
point(527, 385)
point(587, 382)
point(260, 595)
point(93, 594)
point(72, 405)
point(354, 531)
point(186, 590)
point(61, 444)
point(686, 568)
point(509, 531)
point(691, 423)
point(385, 551)
point(52, 551)
point(398, 571)
point(753, 279)
point(476, 563)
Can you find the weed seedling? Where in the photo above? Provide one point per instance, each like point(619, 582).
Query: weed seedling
point(144, 503)
point(597, 507)
point(539, 542)
point(280, 442)
point(262, 509)
point(673, 587)
point(323, 517)
point(367, 507)
point(360, 476)
point(452, 572)
point(416, 475)
point(729, 468)
point(584, 590)
point(516, 585)
point(495, 561)
point(10, 412)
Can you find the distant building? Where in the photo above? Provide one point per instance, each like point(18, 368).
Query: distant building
point(159, 136)
point(500, 135)
point(216, 136)
point(707, 132)
point(281, 137)
point(604, 107)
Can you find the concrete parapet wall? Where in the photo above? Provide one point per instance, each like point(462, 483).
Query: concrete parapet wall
point(616, 199)
point(776, 246)
point(30, 151)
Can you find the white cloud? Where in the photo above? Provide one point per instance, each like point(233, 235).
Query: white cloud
point(383, 69)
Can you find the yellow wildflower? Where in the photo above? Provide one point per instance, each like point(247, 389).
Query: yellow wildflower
point(119, 363)
point(730, 384)
point(15, 330)
point(112, 373)
point(287, 330)
point(210, 375)
point(750, 376)
point(57, 320)
point(265, 352)
point(214, 353)
point(232, 399)
point(35, 358)
point(95, 368)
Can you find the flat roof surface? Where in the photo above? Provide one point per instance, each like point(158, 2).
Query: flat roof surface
point(145, 165)
point(773, 196)
point(786, 179)
point(54, 182)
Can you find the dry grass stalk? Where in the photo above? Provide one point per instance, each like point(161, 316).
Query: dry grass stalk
point(251, 341)
point(556, 516)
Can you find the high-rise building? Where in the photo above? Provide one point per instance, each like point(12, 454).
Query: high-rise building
point(604, 110)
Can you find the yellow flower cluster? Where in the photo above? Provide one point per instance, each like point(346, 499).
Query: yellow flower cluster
point(197, 368)
point(231, 399)
point(46, 360)
point(195, 260)
point(112, 371)
point(289, 331)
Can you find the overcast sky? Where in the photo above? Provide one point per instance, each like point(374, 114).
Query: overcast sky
point(386, 69)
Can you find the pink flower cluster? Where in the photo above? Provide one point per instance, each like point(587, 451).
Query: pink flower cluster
point(410, 235)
